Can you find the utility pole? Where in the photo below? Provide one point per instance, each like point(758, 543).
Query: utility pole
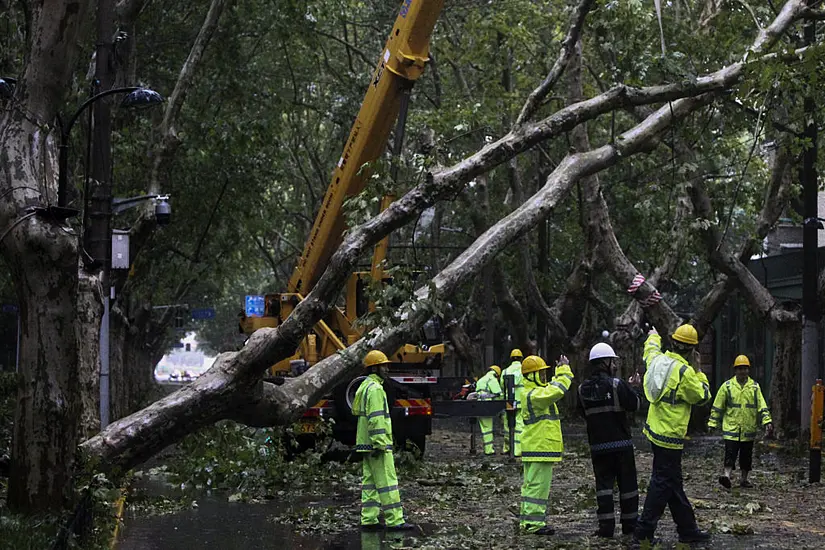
point(98, 238)
point(810, 303)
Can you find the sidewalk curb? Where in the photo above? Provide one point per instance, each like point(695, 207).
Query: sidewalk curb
point(119, 505)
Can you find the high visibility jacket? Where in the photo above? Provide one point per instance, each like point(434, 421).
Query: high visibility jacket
point(488, 387)
point(374, 430)
point(740, 409)
point(672, 386)
point(518, 380)
point(541, 440)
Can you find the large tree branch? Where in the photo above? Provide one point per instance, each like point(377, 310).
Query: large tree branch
point(677, 240)
point(628, 323)
point(727, 261)
point(295, 395)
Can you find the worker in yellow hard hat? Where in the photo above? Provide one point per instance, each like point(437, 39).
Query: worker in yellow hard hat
point(740, 407)
point(488, 388)
point(373, 438)
point(672, 386)
point(542, 443)
point(514, 370)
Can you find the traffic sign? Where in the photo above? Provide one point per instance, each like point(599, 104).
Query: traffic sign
point(177, 345)
point(254, 306)
point(199, 314)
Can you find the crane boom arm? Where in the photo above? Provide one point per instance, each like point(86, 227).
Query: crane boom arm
point(402, 62)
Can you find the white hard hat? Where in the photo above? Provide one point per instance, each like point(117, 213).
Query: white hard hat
point(601, 350)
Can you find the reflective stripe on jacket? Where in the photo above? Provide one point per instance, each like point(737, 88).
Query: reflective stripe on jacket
point(374, 432)
point(541, 440)
point(741, 410)
point(518, 380)
point(488, 387)
point(672, 386)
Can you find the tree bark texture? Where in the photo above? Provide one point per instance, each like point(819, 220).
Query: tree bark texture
point(464, 348)
point(787, 357)
point(43, 263)
point(132, 364)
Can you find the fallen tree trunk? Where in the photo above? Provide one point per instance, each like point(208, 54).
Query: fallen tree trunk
point(234, 380)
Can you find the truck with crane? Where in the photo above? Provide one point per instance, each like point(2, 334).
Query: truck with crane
point(415, 366)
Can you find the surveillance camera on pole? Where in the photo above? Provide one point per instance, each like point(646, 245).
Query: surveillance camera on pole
point(163, 210)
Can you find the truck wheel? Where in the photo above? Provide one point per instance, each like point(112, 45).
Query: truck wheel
point(343, 397)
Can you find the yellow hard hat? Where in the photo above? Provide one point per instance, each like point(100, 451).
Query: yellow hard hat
point(496, 369)
point(375, 358)
point(533, 363)
point(686, 334)
point(516, 353)
point(741, 361)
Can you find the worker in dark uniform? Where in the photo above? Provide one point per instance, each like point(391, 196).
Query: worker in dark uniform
point(605, 401)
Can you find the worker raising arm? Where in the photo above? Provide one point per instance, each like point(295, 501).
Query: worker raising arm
point(672, 386)
point(541, 443)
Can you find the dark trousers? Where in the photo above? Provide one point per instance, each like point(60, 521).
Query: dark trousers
point(745, 451)
point(666, 490)
point(610, 468)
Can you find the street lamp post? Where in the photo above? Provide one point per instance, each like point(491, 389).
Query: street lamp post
point(98, 237)
point(163, 212)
